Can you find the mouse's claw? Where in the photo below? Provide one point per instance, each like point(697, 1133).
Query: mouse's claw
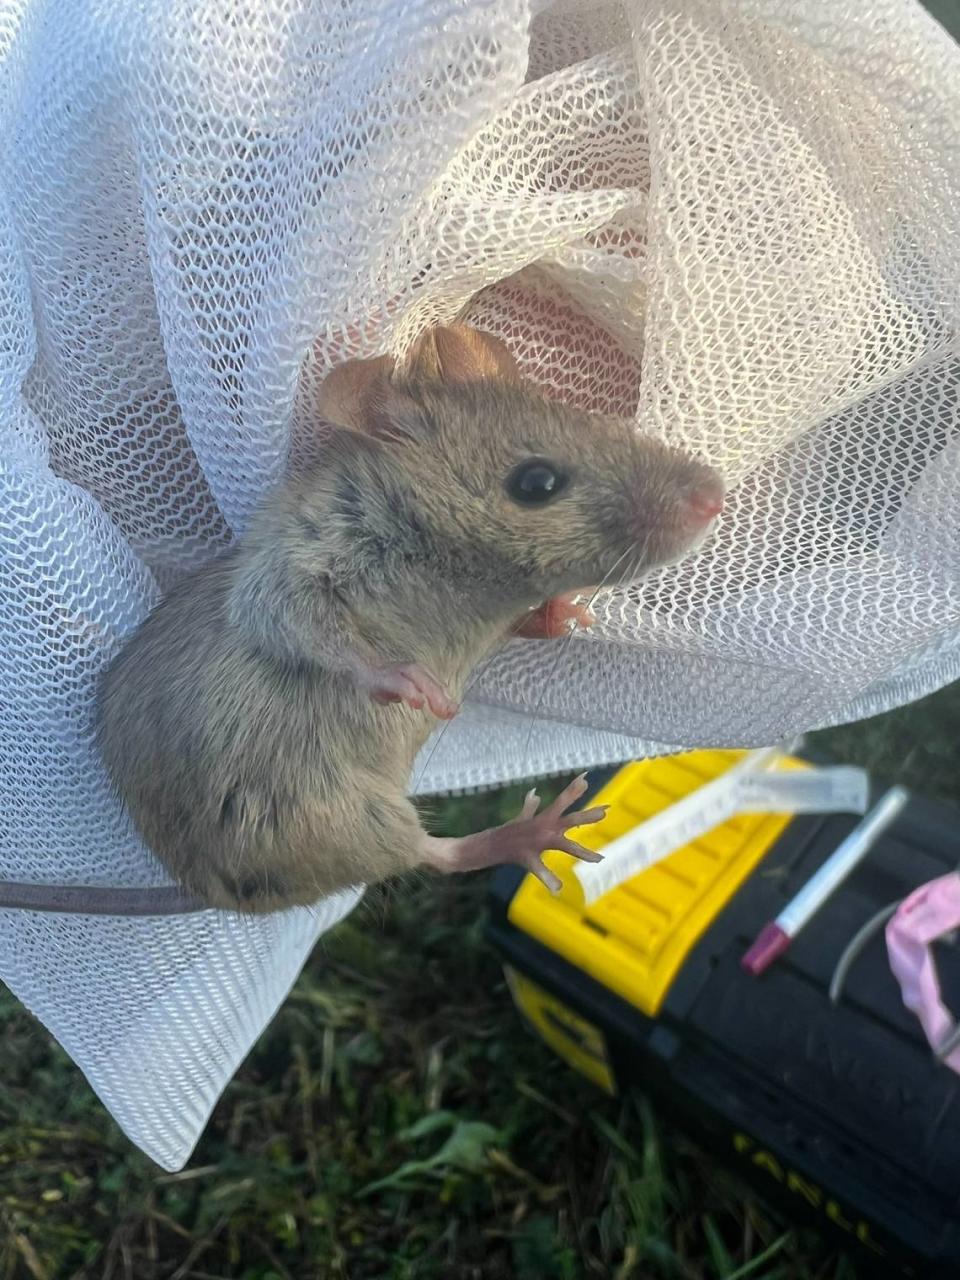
point(410, 683)
point(524, 839)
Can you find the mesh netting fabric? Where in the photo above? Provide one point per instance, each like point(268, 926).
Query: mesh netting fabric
point(735, 220)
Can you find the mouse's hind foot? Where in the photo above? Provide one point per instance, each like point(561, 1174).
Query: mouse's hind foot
point(523, 840)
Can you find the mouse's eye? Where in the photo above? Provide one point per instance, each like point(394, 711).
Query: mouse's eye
point(535, 482)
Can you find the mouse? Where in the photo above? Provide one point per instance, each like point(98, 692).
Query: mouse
point(261, 724)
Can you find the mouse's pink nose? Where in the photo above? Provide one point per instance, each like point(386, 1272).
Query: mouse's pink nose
point(703, 501)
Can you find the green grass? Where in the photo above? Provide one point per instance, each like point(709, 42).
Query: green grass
point(397, 1120)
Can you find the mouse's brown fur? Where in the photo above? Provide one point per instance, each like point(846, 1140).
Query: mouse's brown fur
point(238, 724)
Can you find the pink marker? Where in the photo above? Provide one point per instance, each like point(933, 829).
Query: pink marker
point(774, 938)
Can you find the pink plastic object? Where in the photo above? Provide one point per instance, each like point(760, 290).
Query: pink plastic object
point(930, 912)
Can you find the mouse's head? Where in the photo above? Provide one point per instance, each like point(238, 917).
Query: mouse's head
point(534, 496)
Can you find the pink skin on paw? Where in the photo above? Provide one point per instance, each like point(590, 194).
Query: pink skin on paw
point(410, 683)
point(523, 840)
point(553, 619)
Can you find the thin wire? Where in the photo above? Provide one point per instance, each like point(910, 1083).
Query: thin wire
point(484, 667)
point(850, 955)
point(952, 1042)
point(568, 640)
point(855, 946)
point(477, 675)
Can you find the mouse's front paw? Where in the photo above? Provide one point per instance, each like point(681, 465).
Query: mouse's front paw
point(410, 683)
point(553, 619)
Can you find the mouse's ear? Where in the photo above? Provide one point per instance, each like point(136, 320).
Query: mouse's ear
point(458, 354)
point(362, 395)
point(345, 391)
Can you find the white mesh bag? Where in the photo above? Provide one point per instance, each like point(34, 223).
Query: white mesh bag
point(735, 220)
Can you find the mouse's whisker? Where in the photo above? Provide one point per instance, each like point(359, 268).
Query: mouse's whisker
point(633, 570)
